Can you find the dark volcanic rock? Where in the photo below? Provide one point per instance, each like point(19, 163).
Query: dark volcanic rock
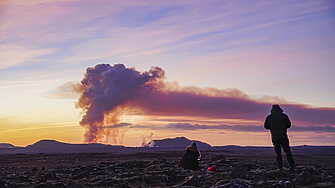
point(190, 181)
point(159, 169)
point(238, 183)
point(108, 182)
point(218, 157)
point(326, 176)
point(304, 178)
point(34, 169)
point(3, 184)
point(50, 176)
point(282, 184)
point(277, 174)
point(240, 171)
point(313, 170)
point(80, 175)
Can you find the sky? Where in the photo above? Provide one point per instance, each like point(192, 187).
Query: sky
point(208, 70)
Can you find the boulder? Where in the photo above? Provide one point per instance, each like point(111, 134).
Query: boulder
point(3, 184)
point(238, 183)
point(304, 178)
point(240, 171)
point(218, 157)
point(313, 170)
point(282, 184)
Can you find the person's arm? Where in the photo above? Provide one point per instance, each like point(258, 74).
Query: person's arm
point(267, 123)
point(288, 122)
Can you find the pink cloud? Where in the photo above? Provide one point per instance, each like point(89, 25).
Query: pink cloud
point(235, 105)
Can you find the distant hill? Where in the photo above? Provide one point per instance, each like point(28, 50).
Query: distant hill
point(177, 143)
point(4, 145)
point(169, 144)
point(47, 144)
point(52, 146)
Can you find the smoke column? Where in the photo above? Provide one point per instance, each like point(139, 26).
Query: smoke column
point(106, 90)
point(146, 143)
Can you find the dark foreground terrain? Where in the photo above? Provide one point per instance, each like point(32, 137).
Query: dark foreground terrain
point(150, 167)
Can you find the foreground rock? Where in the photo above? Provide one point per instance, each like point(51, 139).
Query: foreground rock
point(158, 170)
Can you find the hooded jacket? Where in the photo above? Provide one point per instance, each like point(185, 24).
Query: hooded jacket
point(189, 159)
point(278, 123)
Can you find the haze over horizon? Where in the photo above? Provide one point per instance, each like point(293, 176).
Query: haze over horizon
point(206, 70)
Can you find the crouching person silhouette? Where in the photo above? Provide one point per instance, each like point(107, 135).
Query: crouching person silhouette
point(189, 159)
point(278, 123)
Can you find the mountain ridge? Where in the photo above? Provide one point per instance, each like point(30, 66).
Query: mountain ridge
point(6, 145)
point(179, 142)
point(54, 146)
point(170, 144)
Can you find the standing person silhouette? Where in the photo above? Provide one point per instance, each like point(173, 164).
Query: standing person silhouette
point(278, 123)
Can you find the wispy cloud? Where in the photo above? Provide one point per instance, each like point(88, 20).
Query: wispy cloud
point(31, 2)
point(117, 125)
point(69, 90)
point(315, 129)
point(14, 54)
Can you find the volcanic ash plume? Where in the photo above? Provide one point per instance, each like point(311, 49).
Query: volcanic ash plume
point(106, 91)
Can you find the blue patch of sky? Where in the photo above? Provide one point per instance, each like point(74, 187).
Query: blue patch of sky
point(301, 28)
point(49, 62)
point(30, 66)
point(97, 33)
point(8, 40)
point(215, 45)
point(232, 34)
point(296, 27)
point(46, 66)
point(235, 41)
point(139, 16)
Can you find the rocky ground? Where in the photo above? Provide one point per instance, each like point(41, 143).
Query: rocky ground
point(235, 169)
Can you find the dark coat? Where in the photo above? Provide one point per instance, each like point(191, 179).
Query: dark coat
point(190, 159)
point(278, 123)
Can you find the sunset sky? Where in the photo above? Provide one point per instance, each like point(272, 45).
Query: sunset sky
point(225, 64)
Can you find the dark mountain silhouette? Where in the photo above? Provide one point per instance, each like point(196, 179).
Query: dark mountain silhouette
point(48, 144)
point(4, 145)
point(179, 142)
point(169, 144)
point(53, 146)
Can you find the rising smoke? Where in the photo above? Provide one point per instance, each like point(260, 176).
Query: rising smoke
point(106, 91)
point(147, 141)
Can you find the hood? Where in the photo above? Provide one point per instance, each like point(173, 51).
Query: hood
point(276, 108)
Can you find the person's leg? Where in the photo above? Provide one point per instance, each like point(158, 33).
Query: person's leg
point(287, 150)
point(277, 147)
